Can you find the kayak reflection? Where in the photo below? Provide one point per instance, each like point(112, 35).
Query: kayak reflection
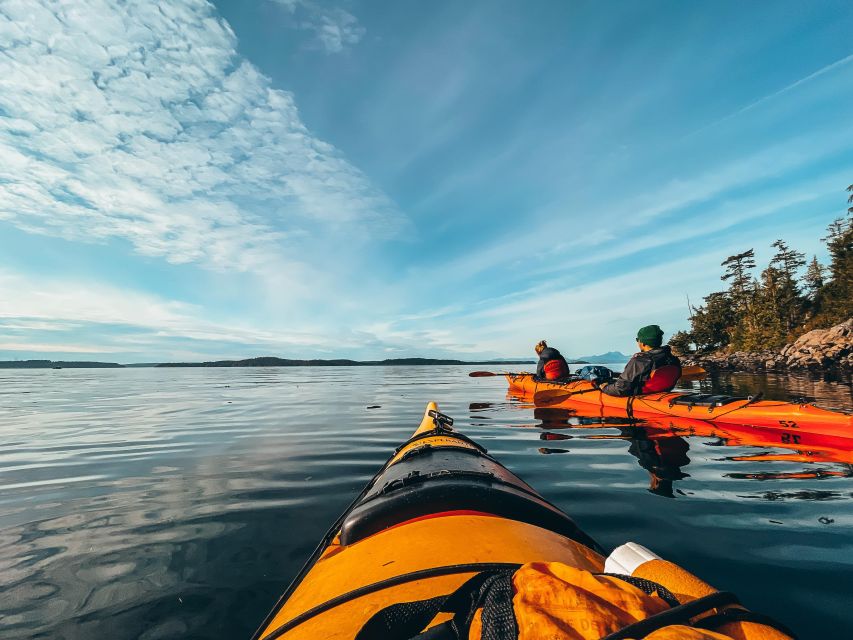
point(661, 446)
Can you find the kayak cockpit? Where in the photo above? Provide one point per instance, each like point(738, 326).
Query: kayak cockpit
point(433, 480)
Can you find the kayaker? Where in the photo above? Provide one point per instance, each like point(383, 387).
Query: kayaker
point(653, 369)
point(552, 365)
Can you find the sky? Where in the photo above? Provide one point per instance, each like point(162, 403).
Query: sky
point(198, 180)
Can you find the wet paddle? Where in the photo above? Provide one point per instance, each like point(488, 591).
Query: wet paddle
point(489, 374)
point(556, 396)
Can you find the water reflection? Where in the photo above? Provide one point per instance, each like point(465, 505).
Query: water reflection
point(828, 390)
point(662, 456)
point(158, 504)
point(661, 446)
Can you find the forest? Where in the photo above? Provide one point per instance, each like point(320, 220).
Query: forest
point(790, 296)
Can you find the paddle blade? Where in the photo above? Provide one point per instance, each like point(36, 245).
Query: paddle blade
point(550, 396)
point(483, 374)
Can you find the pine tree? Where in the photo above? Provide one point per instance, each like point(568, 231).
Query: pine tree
point(680, 342)
point(837, 294)
point(738, 269)
point(782, 275)
point(712, 322)
point(814, 278)
point(833, 301)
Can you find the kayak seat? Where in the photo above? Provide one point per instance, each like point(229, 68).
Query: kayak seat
point(441, 479)
point(705, 400)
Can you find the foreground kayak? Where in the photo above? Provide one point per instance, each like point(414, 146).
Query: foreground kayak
point(446, 543)
point(775, 414)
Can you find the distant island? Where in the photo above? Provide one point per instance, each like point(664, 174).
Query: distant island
point(284, 362)
point(57, 364)
point(270, 361)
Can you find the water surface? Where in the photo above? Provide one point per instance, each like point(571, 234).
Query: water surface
point(178, 503)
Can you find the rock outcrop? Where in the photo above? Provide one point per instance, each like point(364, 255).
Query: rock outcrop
point(820, 349)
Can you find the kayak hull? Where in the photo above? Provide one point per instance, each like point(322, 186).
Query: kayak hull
point(784, 416)
point(404, 543)
point(433, 535)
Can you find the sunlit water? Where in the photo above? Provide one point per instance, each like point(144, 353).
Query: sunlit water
point(178, 503)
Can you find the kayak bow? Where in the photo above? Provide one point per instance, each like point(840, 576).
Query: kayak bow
point(443, 523)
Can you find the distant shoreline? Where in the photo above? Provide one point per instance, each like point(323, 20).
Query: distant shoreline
point(259, 362)
point(58, 364)
point(338, 362)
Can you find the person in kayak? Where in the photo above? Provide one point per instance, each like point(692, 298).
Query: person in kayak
point(552, 365)
point(652, 370)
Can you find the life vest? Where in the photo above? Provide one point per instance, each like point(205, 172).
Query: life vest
point(545, 600)
point(555, 369)
point(662, 379)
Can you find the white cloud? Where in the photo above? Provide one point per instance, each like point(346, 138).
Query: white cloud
point(139, 121)
point(55, 315)
point(334, 28)
point(56, 347)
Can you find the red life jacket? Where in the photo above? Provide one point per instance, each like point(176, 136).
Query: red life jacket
point(662, 379)
point(555, 369)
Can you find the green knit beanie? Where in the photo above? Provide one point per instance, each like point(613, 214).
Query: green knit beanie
point(651, 335)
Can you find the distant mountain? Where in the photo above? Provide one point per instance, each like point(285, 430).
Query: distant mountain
point(56, 364)
point(610, 356)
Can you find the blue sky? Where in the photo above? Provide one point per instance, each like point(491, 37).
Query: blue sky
point(193, 180)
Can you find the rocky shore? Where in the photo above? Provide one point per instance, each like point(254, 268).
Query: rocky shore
point(817, 350)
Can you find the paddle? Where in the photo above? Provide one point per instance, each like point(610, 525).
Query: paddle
point(556, 396)
point(488, 374)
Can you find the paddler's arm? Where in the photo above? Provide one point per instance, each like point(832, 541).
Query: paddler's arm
point(624, 385)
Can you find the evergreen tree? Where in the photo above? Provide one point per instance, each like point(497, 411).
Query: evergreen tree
point(761, 325)
point(712, 323)
point(836, 296)
point(814, 280)
point(782, 277)
point(762, 314)
point(738, 269)
point(680, 342)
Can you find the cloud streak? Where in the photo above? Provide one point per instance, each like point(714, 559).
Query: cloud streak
point(52, 315)
point(140, 122)
point(334, 28)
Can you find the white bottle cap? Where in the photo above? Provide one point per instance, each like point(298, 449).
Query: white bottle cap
point(626, 558)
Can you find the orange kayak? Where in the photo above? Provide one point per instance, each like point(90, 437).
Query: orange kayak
point(445, 543)
point(785, 416)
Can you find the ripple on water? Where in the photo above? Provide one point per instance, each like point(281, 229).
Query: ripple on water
point(167, 503)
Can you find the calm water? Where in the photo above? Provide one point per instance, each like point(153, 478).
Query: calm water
point(178, 503)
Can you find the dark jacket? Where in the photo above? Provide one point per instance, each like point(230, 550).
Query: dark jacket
point(548, 354)
point(639, 370)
